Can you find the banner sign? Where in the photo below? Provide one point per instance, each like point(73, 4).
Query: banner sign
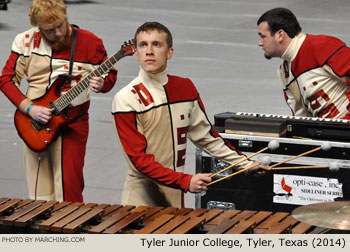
point(304, 190)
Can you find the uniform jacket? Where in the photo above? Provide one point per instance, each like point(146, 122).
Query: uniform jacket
point(154, 116)
point(315, 75)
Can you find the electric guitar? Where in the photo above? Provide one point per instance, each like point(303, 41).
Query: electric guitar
point(39, 136)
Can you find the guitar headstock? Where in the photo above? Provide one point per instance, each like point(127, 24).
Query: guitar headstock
point(128, 48)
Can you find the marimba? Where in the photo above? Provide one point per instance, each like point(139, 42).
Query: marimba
point(38, 216)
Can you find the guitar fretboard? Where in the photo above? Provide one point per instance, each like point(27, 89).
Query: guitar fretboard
point(66, 99)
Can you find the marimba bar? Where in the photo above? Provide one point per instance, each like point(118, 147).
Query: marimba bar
point(38, 216)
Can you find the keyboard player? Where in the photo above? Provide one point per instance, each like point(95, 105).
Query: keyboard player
point(315, 71)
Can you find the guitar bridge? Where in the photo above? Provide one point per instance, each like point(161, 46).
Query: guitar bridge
point(37, 126)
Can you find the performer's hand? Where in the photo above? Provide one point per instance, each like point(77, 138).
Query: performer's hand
point(40, 114)
point(259, 168)
point(96, 84)
point(199, 181)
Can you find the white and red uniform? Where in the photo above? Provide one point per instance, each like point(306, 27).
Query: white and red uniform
point(153, 117)
point(315, 75)
point(60, 173)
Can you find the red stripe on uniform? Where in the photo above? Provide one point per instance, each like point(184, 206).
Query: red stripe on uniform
point(7, 85)
point(135, 145)
point(314, 53)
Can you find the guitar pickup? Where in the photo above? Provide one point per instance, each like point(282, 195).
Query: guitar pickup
point(37, 126)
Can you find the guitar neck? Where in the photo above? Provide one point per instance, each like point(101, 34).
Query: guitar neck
point(66, 99)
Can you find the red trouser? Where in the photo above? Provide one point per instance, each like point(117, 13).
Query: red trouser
point(74, 139)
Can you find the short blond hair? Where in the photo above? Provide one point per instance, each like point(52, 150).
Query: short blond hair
point(47, 11)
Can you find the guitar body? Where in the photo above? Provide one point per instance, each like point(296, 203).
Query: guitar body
point(38, 137)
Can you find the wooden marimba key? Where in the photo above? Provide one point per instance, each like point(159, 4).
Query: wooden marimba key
point(66, 217)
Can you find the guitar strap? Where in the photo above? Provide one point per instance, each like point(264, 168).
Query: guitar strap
point(71, 61)
point(72, 50)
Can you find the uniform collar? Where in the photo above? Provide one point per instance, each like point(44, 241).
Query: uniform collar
point(293, 47)
point(155, 79)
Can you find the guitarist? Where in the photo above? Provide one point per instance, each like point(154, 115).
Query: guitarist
point(42, 53)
